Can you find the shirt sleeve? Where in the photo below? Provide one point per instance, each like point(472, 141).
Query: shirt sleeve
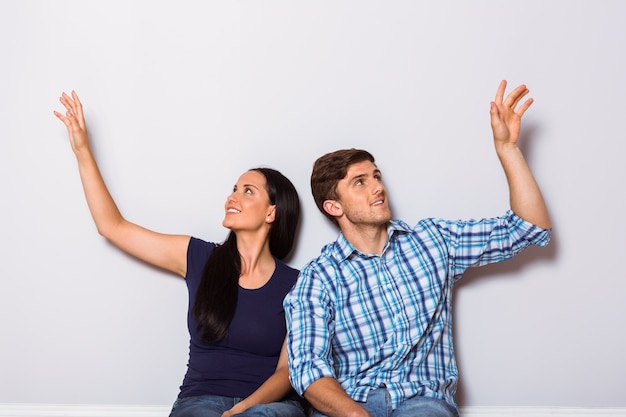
point(309, 314)
point(198, 251)
point(481, 242)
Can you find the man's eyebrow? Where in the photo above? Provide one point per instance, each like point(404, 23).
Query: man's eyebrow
point(365, 174)
point(358, 176)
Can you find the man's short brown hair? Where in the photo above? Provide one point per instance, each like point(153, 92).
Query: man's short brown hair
point(331, 168)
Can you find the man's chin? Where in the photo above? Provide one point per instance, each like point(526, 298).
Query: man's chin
point(386, 216)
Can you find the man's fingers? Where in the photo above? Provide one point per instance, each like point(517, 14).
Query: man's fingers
point(522, 109)
point(500, 92)
point(515, 96)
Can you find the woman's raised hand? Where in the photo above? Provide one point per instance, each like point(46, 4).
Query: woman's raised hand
point(74, 121)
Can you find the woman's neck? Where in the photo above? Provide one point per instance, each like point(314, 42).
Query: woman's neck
point(257, 262)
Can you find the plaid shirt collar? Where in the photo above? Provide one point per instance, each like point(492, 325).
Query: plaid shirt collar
point(342, 249)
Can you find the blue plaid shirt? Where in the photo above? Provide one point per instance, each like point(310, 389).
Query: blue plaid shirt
point(385, 320)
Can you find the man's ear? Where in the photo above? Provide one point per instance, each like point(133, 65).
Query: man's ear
point(333, 207)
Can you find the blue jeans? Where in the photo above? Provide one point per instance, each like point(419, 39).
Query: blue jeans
point(215, 405)
point(378, 405)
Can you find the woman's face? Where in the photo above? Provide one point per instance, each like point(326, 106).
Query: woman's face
point(248, 207)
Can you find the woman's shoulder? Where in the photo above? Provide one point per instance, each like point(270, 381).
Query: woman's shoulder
point(200, 245)
point(285, 271)
point(198, 252)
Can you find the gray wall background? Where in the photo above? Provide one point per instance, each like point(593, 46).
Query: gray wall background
point(181, 97)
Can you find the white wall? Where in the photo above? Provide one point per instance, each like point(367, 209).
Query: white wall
point(181, 97)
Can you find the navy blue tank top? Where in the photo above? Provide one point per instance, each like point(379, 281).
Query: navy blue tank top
point(239, 364)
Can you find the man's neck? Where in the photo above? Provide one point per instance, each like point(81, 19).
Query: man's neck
point(369, 239)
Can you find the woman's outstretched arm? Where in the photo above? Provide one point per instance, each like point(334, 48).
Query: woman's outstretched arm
point(163, 250)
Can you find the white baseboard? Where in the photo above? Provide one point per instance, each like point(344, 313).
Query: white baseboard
point(475, 411)
point(69, 410)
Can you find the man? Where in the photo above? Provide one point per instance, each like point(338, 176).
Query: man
point(369, 320)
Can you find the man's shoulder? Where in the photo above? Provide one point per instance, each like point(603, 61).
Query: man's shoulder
point(399, 225)
point(402, 228)
point(327, 256)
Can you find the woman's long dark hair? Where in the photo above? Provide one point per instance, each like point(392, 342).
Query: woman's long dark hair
point(216, 297)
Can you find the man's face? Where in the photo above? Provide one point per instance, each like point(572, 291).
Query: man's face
point(363, 197)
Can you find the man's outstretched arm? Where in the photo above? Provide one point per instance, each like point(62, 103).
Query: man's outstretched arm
point(525, 197)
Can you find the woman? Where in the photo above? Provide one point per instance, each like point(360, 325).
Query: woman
point(237, 359)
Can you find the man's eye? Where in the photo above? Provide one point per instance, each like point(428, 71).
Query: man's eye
point(359, 182)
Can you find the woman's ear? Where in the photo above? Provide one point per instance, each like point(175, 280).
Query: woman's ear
point(271, 215)
point(333, 207)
